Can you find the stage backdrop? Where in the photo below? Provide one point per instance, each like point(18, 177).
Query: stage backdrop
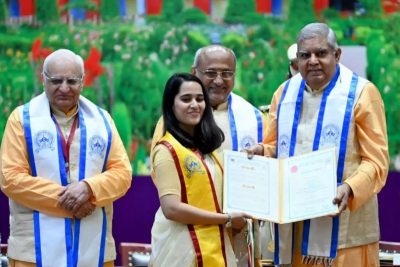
point(134, 213)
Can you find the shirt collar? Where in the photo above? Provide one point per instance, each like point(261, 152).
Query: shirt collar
point(321, 89)
point(69, 114)
point(222, 106)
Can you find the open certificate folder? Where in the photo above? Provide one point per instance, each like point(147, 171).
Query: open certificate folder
point(281, 190)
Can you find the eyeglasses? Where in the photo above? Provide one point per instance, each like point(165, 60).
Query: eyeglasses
point(212, 74)
point(321, 53)
point(58, 81)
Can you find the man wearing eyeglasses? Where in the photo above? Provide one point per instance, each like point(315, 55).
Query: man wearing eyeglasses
point(242, 123)
point(62, 166)
point(328, 105)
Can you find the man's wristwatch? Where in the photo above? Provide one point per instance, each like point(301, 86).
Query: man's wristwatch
point(229, 221)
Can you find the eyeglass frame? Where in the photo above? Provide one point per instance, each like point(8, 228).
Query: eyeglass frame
point(53, 80)
point(207, 72)
point(320, 54)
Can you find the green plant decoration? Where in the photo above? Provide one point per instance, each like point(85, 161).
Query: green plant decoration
point(300, 13)
point(171, 10)
point(237, 11)
point(330, 13)
point(196, 40)
point(3, 12)
point(123, 122)
point(193, 15)
point(46, 12)
point(109, 10)
point(373, 8)
point(235, 42)
point(262, 31)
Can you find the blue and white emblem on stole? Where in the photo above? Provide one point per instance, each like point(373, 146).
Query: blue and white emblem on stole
point(330, 134)
point(284, 144)
point(247, 142)
point(44, 139)
point(97, 145)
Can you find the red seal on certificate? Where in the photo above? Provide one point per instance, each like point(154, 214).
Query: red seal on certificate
point(293, 169)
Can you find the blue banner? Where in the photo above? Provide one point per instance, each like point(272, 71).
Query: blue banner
point(14, 8)
point(122, 8)
point(78, 13)
point(277, 7)
point(141, 7)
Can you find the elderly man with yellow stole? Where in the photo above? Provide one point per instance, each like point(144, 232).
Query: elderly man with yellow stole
point(62, 166)
point(328, 105)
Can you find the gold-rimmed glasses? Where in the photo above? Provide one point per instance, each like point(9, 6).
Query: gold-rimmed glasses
point(212, 74)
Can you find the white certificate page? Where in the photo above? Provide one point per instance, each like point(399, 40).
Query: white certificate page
point(310, 184)
point(251, 186)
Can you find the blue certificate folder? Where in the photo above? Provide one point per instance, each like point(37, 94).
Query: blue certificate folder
point(281, 190)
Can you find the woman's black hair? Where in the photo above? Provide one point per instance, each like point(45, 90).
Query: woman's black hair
point(207, 135)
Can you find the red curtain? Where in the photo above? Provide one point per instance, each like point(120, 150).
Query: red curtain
point(26, 7)
point(320, 5)
point(204, 5)
point(153, 7)
point(264, 6)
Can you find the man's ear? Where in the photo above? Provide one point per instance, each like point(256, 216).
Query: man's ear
point(338, 53)
point(193, 71)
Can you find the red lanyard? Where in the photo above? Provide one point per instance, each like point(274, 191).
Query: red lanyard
point(66, 144)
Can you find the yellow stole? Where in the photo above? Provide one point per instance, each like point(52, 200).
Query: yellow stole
point(197, 189)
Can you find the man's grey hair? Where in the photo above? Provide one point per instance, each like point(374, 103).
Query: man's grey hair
point(315, 30)
point(64, 54)
point(211, 48)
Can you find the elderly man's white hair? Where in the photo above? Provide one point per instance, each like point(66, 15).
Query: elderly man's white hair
point(315, 30)
point(211, 48)
point(64, 54)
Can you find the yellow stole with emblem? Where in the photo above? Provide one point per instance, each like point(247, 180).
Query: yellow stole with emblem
point(197, 189)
